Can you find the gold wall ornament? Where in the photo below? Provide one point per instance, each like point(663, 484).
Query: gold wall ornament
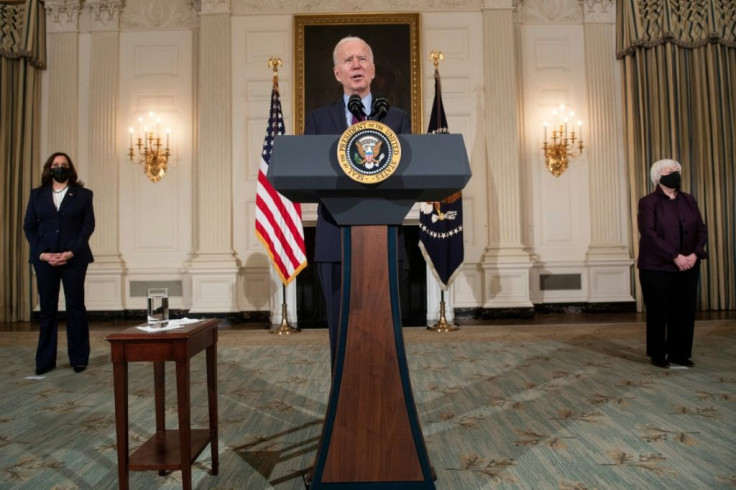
point(152, 155)
point(562, 147)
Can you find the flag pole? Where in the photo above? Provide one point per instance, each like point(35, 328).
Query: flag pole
point(442, 325)
point(284, 328)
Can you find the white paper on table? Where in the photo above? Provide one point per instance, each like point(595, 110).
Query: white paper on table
point(171, 325)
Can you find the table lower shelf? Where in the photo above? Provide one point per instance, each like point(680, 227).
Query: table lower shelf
point(162, 451)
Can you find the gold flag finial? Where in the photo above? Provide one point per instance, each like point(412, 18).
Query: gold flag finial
point(274, 63)
point(436, 57)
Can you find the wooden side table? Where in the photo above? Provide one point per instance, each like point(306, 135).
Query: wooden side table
point(166, 450)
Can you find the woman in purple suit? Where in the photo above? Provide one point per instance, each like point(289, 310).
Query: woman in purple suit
point(671, 246)
point(58, 223)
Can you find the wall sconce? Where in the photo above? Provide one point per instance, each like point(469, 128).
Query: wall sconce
point(562, 146)
point(151, 156)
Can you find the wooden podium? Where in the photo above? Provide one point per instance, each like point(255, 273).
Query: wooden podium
point(371, 437)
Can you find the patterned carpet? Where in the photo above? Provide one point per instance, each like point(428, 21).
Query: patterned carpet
point(559, 407)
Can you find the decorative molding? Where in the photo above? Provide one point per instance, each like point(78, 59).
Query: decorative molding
point(550, 11)
point(104, 14)
point(599, 11)
point(160, 14)
point(62, 16)
point(214, 7)
point(499, 4)
point(241, 7)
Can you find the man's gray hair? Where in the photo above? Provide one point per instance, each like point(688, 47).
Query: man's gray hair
point(346, 40)
point(655, 173)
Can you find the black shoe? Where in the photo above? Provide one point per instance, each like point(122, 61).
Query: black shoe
point(661, 363)
point(684, 362)
point(79, 369)
point(40, 371)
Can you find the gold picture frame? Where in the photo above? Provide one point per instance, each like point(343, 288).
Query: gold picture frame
point(395, 41)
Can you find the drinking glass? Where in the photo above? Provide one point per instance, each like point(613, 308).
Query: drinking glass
point(158, 307)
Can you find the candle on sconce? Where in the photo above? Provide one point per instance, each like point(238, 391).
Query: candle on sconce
point(580, 130)
point(130, 131)
point(545, 131)
point(168, 132)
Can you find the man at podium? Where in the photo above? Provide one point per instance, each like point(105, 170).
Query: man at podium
point(354, 69)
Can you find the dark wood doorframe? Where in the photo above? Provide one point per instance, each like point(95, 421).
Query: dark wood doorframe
point(310, 303)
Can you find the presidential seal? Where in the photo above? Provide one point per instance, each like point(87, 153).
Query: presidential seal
point(369, 152)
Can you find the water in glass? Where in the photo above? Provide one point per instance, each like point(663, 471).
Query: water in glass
point(158, 307)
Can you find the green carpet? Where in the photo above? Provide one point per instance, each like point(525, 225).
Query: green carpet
point(559, 407)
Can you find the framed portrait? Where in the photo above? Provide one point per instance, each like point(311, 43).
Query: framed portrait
point(394, 39)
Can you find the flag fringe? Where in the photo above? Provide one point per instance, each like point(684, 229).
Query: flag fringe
point(435, 274)
point(272, 260)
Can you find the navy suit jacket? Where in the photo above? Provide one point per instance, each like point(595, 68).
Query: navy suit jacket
point(669, 227)
point(67, 229)
point(330, 119)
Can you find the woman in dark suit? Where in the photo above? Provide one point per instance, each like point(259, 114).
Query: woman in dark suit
point(58, 223)
point(671, 246)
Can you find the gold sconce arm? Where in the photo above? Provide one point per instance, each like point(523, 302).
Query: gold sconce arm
point(149, 152)
point(561, 147)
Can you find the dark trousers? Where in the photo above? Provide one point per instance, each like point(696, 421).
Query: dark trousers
point(670, 300)
point(330, 278)
point(49, 280)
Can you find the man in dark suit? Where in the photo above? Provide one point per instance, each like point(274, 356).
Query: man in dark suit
point(58, 223)
point(354, 69)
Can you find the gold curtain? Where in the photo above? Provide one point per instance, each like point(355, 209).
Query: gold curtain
point(22, 57)
point(679, 66)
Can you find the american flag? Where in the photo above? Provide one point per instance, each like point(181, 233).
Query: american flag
point(278, 220)
point(441, 223)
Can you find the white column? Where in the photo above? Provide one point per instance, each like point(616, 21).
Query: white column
point(214, 267)
point(62, 45)
point(608, 258)
point(62, 19)
point(506, 262)
point(105, 278)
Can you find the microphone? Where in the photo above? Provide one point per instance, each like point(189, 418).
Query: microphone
point(380, 108)
point(355, 106)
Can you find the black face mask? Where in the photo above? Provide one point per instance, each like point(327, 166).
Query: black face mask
point(60, 174)
point(672, 180)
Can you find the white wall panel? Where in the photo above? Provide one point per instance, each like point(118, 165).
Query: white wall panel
point(156, 60)
point(553, 74)
point(156, 218)
point(459, 35)
point(254, 40)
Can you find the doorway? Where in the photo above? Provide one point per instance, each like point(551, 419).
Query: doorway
point(310, 303)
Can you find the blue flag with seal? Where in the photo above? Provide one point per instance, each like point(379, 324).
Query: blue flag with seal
point(441, 223)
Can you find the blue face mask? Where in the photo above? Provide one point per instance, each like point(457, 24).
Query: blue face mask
point(60, 174)
point(671, 181)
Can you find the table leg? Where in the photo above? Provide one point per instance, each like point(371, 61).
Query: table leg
point(212, 399)
point(159, 383)
point(159, 390)
point(185, 427)
point(120, 382)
